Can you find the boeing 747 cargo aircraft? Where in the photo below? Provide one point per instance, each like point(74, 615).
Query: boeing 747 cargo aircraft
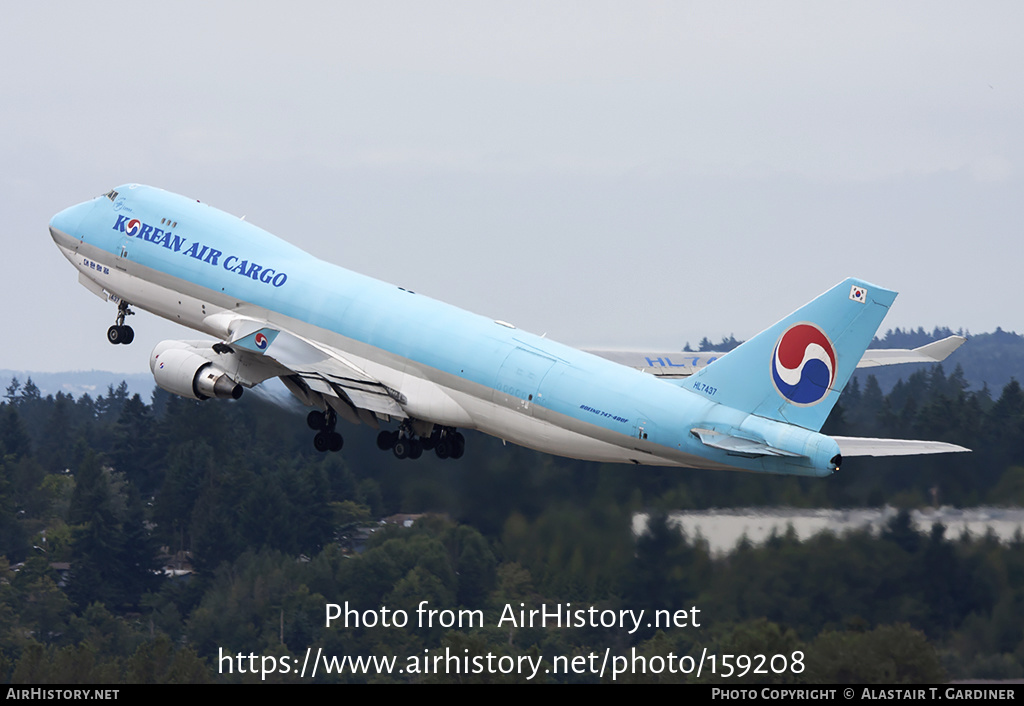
point(365, 351)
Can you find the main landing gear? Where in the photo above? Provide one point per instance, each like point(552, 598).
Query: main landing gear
point(404, 443)
point(326, 438)
point(119, 333)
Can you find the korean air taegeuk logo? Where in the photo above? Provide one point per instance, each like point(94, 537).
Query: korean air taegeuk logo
point(803, 364)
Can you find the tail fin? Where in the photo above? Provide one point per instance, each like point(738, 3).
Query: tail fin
point(794, 371)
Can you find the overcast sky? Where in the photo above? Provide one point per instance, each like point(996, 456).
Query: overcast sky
point(617, 174)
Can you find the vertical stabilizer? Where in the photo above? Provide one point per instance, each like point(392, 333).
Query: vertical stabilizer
point(794, 371)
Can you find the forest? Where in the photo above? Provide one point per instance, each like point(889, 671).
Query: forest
point(142, 541)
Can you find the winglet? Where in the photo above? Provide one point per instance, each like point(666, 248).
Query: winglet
point(259, 341)
point(940, 350)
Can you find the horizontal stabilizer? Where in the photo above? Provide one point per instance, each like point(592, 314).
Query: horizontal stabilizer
point(683, 364)
point(857, 446)
point(932, 353)
point(737, 445)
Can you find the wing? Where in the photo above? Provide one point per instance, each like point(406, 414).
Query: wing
point(255, 351)
point(677, 364)
point(310, 369)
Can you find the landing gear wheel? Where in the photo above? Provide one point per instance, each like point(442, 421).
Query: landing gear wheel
point(326, 438)
point(415, 449)
point(458, 445)
point(316, 420)
point(119, 333)
point(401, 448)
point(386, 440)
point(443, 448)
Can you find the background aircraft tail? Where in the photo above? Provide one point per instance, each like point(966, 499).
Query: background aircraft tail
point(794, 371)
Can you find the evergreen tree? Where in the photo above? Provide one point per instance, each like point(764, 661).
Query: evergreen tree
point(113, 556)
point(13, 439)
point(13, 537)
point(140, 570)
point(136, 445)
point(96, 539)
point(12, 391)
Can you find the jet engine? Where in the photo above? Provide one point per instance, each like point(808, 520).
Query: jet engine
point(183, 369)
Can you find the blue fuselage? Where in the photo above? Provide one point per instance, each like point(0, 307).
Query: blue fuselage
point(190, 263)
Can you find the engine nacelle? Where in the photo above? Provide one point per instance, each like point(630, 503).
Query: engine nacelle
point(182, 369)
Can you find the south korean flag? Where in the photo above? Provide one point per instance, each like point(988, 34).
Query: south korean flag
point(858, 294)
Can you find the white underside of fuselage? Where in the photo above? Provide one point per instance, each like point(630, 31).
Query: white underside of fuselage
point(432, 395)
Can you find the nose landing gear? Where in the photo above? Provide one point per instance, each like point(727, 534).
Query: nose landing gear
point(119, 333)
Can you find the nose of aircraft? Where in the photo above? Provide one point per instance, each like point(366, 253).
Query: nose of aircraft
point(65, 224)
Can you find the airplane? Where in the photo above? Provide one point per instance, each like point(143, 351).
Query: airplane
point(361, 350)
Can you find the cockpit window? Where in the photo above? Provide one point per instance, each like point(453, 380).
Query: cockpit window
point(111, 194)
